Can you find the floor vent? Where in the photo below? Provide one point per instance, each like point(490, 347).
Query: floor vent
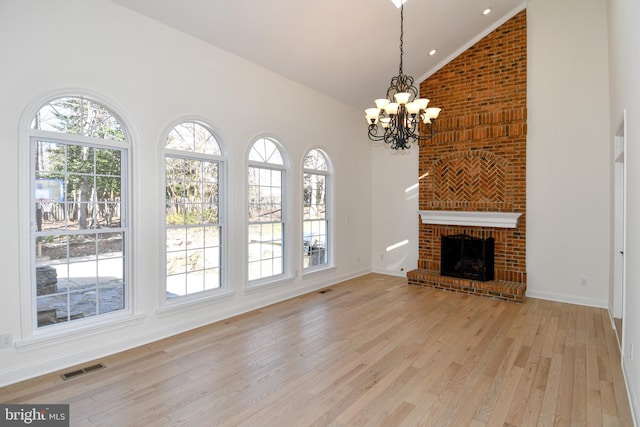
point(73, 374)
point(324, 291)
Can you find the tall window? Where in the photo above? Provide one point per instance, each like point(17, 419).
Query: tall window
point(266, 222)
point(193, 166)
point(79, 228)
point(315, 224)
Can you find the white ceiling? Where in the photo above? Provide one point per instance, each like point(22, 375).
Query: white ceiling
point(346, 49)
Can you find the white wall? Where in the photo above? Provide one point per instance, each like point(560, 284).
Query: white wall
point(568, 152)
point(624, 69)
point(152, 76)
point(394, 210)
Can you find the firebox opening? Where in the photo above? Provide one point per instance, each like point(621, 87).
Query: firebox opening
point(467, 257)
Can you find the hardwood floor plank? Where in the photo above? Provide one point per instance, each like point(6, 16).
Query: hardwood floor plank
point(372, 351)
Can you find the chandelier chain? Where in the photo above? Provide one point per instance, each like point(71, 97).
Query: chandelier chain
point(401, 36)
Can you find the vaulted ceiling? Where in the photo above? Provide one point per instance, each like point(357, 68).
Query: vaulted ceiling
point(348, 50)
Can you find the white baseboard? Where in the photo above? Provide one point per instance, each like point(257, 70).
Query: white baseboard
point(633, 396)
point(570, 299)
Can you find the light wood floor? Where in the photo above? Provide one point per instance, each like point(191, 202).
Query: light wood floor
point(372, 351)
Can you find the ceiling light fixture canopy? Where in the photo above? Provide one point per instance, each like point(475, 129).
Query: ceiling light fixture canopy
point(396, 118)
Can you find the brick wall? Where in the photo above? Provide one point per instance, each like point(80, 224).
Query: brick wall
point(477, 161)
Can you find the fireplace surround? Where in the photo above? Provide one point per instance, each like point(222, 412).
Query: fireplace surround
point(473, 173)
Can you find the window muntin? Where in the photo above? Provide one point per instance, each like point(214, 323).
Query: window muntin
point(315, 221)
point(79, 217)
point(193, 169)
point(266, 226)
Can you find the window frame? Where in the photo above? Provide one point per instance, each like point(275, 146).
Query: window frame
point(169, 305)
point(328, 190)
point(285, 213)
point(33, 336)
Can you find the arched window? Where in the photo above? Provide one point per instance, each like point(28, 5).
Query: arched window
point(266, 228)
point(193, 171)
point(80, 225)
point(315, 184)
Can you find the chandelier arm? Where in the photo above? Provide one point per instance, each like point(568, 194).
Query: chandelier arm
point(373, 134)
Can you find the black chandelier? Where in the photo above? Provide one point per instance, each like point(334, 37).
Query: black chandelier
point(396, 118)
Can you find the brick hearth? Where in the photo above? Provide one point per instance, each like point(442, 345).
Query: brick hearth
point(499, 289)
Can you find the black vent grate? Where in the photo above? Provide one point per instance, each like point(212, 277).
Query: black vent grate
point(78, 372)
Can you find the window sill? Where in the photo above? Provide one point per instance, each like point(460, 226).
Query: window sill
point(260, 284)
point(186, 304)
point(46, 338)
point(319, 269)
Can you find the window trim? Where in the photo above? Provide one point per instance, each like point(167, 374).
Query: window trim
point(30, 333)
point(329, 201)
point(187, 302)
point(286, 210)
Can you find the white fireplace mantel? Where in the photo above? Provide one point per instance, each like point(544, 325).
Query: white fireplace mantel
point(479, 219)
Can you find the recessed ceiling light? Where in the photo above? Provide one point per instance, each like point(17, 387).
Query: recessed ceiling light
point(486, 11)
point(432, 52)
point(398, 3)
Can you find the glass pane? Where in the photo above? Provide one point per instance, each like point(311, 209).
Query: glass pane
point(277, 266)
point(265, 177)
point(52, 248)
point(47, 309)
point(108, 162)
point(211, 171)
point(254, 173)
point(195, 237)
point(254, 251)
point(212, 257)
point(176, 239)
point(82, 273)
point(49, 156)
point(276, 178)
point(254, 270)
point(266, 267)
point(210, 215)
point(83, 303)
point(82, 246)
point(265, 150)
point(176, 285)
point(77, 115)
point(178, 139)
point(212, 278)
point(212, 237)
point(176, 262)
point(315, 243)
point(191, 136)
point(111, 297)
point(195, 260)
point(195, 282)
point(111, 271)
point(46, 280)
point(315, 160)
point(192, 214)
point(108, 215)
point(80, 159)
point(174, 168)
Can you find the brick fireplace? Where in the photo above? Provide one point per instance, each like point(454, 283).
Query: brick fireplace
point(476, 165)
